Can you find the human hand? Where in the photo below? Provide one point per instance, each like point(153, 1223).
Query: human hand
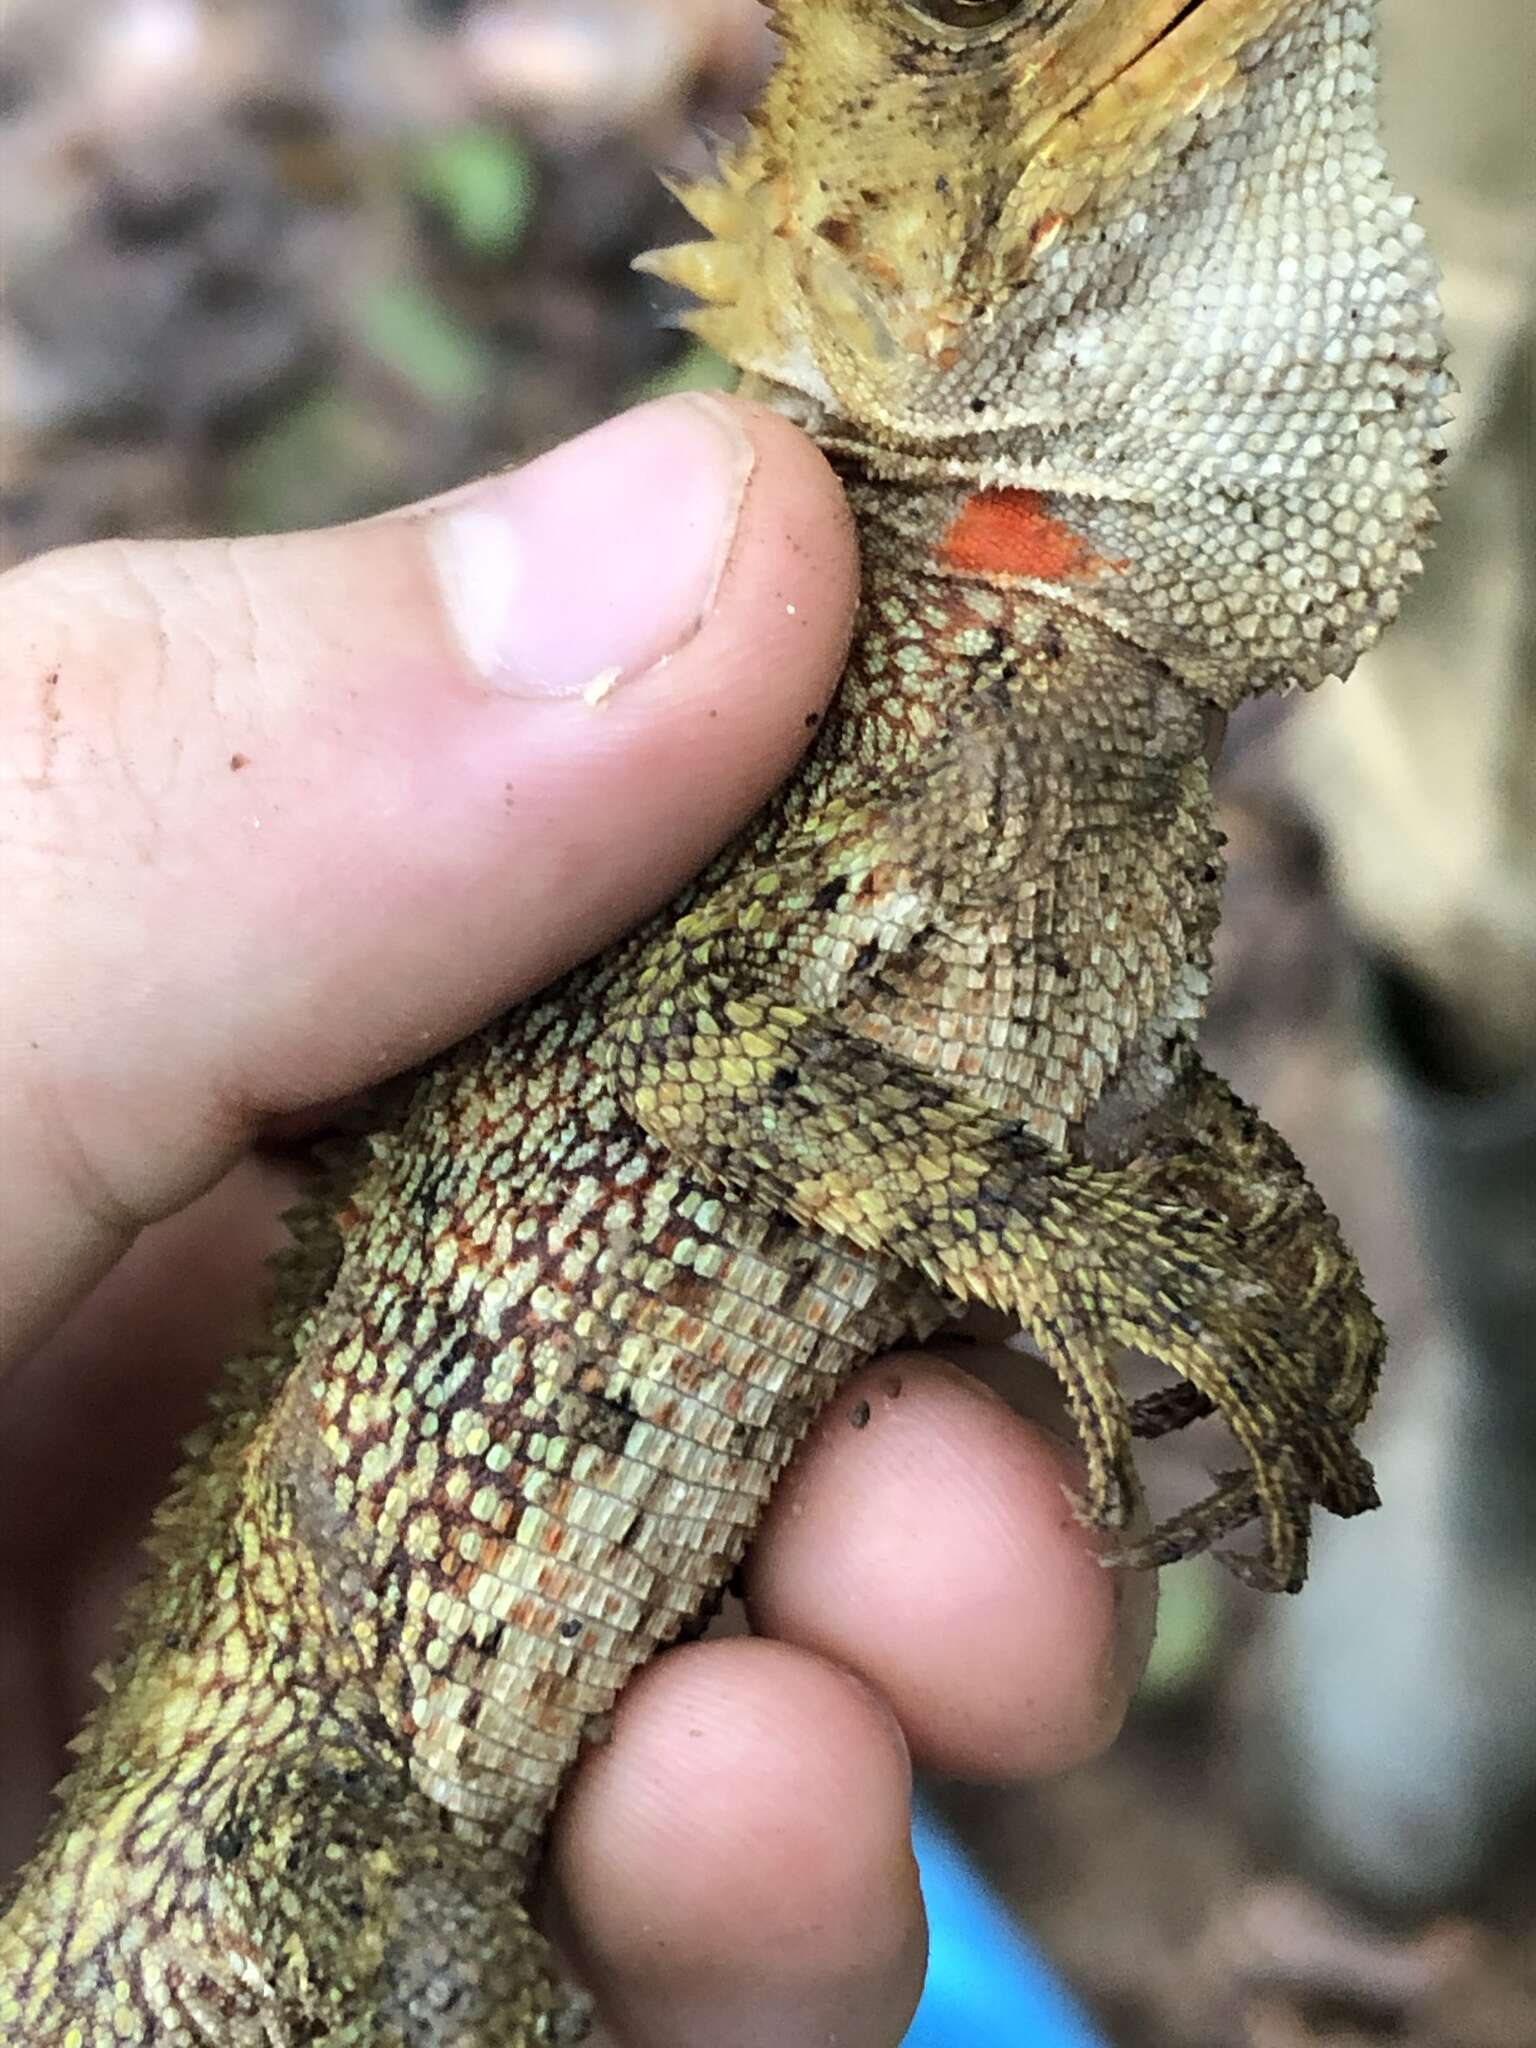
point(284, 816)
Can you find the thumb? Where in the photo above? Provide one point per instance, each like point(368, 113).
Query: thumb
point(285, 815)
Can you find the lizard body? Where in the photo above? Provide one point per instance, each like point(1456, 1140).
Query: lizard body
point(1129, 359)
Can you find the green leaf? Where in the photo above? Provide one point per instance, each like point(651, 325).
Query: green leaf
point(1189, 1627)
point(412, 332)
point(481, 179)
point(697, 369)
point(323, 460)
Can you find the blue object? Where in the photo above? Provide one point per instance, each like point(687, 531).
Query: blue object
point(988, 1987)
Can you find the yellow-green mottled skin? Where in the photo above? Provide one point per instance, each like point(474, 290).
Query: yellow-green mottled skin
point(1128, 355)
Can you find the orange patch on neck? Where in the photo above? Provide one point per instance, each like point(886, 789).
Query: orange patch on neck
point(1010, 533)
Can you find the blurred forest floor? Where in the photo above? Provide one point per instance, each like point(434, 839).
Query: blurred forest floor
point(273, 263)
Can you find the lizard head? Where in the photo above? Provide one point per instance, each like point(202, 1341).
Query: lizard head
point(1127, 278)
point(912, 164)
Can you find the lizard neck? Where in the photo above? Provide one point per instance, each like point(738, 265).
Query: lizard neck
point(946, 646)
point(967, 588)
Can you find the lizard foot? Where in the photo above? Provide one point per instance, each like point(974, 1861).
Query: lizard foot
point(1210, 1254)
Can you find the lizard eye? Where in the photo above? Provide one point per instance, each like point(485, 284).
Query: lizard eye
point(968, 13)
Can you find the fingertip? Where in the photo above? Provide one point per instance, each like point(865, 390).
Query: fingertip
point(737, 1863)
point(926, 1539)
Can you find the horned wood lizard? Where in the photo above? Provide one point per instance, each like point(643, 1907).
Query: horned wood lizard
point(1128, 356)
